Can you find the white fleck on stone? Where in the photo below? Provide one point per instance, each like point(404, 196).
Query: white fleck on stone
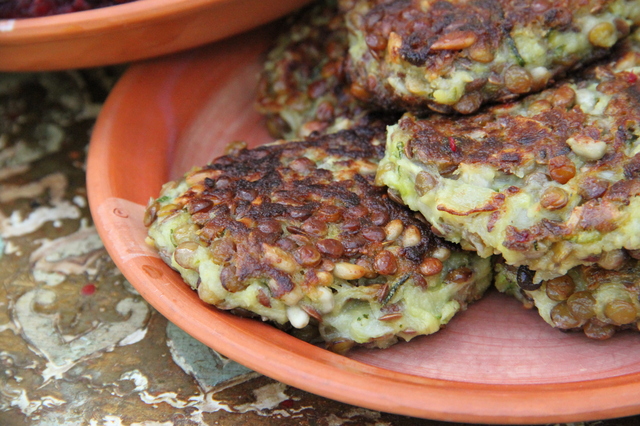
point(11, 248)
point(63, 353)
point(15, 225)
point(268, 397)
point(51, 279)
point(76, 253)
point(142, 383)
point(10, 171)
point(112, 421)
point(134, 337)
point(23, 153)
point(139, 380)
point(55, 183)
point(18, 398)
point(80, 201)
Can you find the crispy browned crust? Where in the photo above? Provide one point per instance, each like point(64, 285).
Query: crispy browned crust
point(446, 35)
point(512, 141)
point(517, 139)
point(274, 195)
point(303, 87)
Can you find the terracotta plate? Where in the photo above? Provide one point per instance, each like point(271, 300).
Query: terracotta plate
point(128, 32)
point(495, 363)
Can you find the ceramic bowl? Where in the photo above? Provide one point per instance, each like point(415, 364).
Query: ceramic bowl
point(128, 32)
point(494, 363)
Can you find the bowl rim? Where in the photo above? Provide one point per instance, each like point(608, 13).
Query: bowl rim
point(331, 375)
point(69, 25)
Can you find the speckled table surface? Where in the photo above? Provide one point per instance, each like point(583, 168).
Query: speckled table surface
point(78, 345)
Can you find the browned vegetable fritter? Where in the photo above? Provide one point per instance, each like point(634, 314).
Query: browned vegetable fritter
point(550, 182)
point(297, 233)
point(303, 87)
point(454, 55)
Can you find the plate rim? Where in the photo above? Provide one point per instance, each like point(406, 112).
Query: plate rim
point(519, 403)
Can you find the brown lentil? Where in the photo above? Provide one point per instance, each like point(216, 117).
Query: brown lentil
point(559, 289)
point(582, 305)
point(380, 218)
point(308, 256)
point(603, 34)
point(385, 263)
point(517, 79)
point(621, 312)
point(315, 227)
point(222, 250)
point(185, 255)
point(563, 97)
point(330, 247)
point(561, 169)
point(598, 331)
point(431, 266)
point(329, 214)
point(563, 318)
point(459, 275)
point(230, 281)
point(425, 182)
point(554, 198)
point(374, 233)
point(612, 260)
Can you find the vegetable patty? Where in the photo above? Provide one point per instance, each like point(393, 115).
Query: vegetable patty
point(455, 55)
point(303, 87)
point(296, 233)
point(550, 182)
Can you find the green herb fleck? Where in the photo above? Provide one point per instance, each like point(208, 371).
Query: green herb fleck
point(514, 50)
point(394, 288)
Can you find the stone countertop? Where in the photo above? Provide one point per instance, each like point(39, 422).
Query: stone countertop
point(78, 345)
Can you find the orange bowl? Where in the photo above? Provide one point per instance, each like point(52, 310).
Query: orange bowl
point(494, 363)
point(128, 32)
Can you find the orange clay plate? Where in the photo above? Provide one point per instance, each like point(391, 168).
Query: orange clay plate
point(128, 32)
point(494, 363)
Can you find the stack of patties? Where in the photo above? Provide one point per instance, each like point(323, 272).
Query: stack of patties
point(315, 234)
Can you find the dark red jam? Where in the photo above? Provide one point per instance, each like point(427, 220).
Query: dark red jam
point(15, 9)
